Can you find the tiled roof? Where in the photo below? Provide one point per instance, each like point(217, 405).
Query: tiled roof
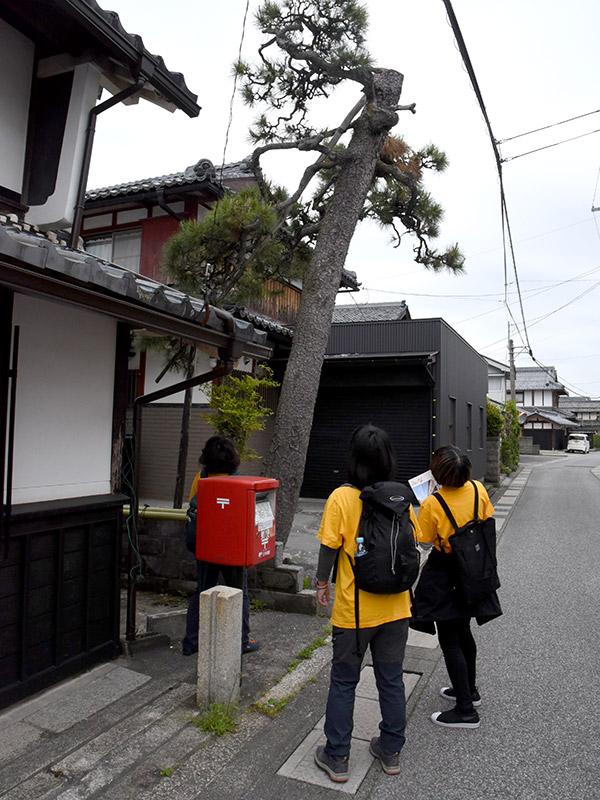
point(550, 414)
point(537, 378)
point(264, 323)
point(112, 18)
point(84, 30)
point(202, 171)
point(46, 256)
point(371, 312)
point(579, 403)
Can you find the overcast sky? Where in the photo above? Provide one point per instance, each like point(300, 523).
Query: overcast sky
point(536, 62)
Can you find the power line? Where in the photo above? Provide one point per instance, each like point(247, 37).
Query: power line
point(235, 79)
point(503, 206)
point(546, 127)
point(548, 146)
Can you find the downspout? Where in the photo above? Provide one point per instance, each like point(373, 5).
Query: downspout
point(87, 153)
point(132, 521)
point(162, 203)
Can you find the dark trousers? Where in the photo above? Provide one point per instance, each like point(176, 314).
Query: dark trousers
point(208, 576)
point(387, 643)
point(460, 655)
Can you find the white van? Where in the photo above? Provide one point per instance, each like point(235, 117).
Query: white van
point(578, 443)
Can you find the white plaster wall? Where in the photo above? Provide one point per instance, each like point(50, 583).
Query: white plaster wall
point(58, 210)
point(64, 407)
point(154, 366)
point(497, 388)
point(16, 67)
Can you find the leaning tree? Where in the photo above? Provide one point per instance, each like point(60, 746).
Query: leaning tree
point(360, 171)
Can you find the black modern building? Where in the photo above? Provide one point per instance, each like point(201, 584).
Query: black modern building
point(418, 379)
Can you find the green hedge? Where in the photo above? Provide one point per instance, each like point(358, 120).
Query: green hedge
point(495, 420)
point(504, 422)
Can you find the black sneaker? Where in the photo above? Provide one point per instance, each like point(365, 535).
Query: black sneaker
point(336, 768)
point(454, 719)
point(390, 762)
point(449, 693)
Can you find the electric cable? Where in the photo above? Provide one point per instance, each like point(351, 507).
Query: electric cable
point(504, 209)
point(547, 127)
point(548, 146)
point(235, 79)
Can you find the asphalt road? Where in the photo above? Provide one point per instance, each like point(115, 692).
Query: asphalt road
point(538, 665)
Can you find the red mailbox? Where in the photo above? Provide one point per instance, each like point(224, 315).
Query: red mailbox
point(235, 523)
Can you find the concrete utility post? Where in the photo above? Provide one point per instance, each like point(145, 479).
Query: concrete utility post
point(513, 372)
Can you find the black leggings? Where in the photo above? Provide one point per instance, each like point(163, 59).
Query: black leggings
point(460, 655)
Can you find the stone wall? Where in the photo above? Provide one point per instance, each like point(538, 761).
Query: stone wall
point(527, 447)
point(492, 474)
point(167, 563)
point(168, 566)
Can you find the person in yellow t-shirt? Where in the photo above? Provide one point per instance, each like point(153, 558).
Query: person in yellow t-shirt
point(219, 458)
point(383, 623)
point(438, 597)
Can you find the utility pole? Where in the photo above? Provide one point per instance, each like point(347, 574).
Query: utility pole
point(511, 364)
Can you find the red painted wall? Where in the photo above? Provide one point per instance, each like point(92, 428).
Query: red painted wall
point(155, 232)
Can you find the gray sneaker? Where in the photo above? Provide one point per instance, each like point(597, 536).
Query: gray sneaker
point(336, 768)
point(390, 762)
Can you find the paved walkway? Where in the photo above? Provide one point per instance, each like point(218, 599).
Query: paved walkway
point(123, 729)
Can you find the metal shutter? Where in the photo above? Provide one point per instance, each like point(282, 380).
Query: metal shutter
point(403, 411)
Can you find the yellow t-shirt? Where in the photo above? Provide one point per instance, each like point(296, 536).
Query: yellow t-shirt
point(339, 528)
point(194, 488)
point(435, 525)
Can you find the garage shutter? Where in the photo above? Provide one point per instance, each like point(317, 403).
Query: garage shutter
point(404, 412)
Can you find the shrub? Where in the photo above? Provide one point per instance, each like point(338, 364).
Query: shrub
point(495, 420)
point(239, 408)
point(509, 449)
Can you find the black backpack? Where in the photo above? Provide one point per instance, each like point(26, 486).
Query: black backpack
point(474, 551)
point(391, 563)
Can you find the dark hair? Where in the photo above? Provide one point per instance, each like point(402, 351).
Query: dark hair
point(372, 457)
point(450, 466)
point(220, 455)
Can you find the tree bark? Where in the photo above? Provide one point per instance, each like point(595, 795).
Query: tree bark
point(287, 453)
point(185, 433)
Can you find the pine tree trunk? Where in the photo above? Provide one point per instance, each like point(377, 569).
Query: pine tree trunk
point(287, 453)
point(185, 433)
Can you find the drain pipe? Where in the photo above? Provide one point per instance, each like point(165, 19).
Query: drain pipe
point(162, 203)
point(87, 153)
point(132, 520)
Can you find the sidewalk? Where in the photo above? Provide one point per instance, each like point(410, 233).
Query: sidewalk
point(124, 730)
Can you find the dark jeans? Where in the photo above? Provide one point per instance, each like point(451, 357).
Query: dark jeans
point(460, 655)
point(388, 643)
point(208, 576)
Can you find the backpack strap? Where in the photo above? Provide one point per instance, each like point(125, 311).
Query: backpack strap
point(476, 510)
point(444, 505)
point(358, 651)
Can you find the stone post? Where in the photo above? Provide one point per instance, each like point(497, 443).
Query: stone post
point(220, 646)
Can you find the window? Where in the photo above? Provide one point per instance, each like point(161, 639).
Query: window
point(519, 397)
point(481, 426)
point(123, 248)
point(469, 430)
point(452, 421)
